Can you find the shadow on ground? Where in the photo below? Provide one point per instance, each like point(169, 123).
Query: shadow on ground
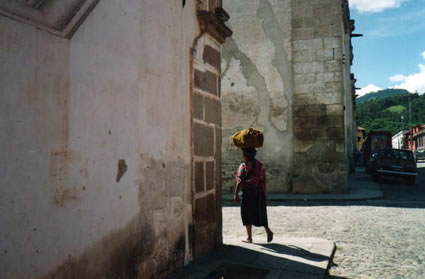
point(334, 277)
point(293, 251)
point(267, 261)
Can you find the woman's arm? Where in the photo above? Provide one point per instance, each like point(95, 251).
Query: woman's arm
point(263, 172)
point(239, 180)
point(237, 189)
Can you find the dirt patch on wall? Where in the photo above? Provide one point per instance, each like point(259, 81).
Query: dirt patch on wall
point(151, 245)
point(125, 254)
point(61, 196)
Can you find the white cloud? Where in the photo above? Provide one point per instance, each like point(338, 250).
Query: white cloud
point(412, 83)
point(369, 88)
point(397, 78)
point(374, 6)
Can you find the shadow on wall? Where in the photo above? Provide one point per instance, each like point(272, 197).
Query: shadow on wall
point(127, 253)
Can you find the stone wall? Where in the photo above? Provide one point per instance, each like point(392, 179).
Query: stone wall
point(284, 72)
point(110, 137)
point(319, 162)
point(349, 88)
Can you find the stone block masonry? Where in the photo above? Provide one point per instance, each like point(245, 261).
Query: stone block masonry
point(203, 138)
point(206, 81)
point(206, 138)
point(319, 164)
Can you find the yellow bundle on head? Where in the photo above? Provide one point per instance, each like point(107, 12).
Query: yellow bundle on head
point(248, 138)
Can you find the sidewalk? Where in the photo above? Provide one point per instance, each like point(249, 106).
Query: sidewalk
point(361, 187)
point(296, 258)
point(301, 258)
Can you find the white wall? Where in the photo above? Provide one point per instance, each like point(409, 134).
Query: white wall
point(397, 140)
point(69, 110)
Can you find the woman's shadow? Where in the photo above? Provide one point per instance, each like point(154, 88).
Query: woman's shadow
point(293, 251)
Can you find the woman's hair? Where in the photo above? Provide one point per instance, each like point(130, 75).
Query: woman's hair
point(249, 152)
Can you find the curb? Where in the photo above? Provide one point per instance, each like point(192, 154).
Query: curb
point(330, 262)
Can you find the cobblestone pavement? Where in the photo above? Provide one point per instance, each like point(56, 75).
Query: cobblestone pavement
point(375, 239)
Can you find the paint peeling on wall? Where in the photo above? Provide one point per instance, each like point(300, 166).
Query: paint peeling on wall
point(284, 64)
point(122, 168)
point(257, 88)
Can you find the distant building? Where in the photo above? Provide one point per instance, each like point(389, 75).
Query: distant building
point(361, 135)
point(398, 140)
point(418, 140)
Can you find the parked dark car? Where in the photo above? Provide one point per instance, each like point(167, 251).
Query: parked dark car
point(420, 155)
point(393, 162)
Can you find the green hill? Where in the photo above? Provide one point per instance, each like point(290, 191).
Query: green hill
point(380, 95)
point(396, 109)
point(390, 113)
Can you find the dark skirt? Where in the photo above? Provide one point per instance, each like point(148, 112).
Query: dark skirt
point(253, 209)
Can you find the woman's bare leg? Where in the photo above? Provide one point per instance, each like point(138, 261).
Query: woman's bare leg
point(249, 232)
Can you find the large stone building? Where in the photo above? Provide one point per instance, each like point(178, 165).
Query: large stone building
point(286, 70)
point(111, 136)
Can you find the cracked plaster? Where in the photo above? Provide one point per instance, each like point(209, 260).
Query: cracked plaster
point(260, 45)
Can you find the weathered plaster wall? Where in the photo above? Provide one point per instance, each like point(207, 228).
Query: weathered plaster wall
point(257, 86)
point(283, 73)
point(95, 172)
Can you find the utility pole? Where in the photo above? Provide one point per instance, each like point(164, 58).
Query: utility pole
point(403, 134)
point(402, 122)
point(410, 123)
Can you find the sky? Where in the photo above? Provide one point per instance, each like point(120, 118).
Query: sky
point(391, 53)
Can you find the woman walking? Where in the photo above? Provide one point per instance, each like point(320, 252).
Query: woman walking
point(251, 179)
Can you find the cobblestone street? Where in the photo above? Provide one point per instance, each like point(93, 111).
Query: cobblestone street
point(374, 239)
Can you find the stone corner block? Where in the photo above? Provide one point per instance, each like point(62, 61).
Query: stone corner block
point(212, 111)
point(199, 177)
point(203, 140)
point(207, 81)
point(198, 106)
point(212, 57)
point(210, 175)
